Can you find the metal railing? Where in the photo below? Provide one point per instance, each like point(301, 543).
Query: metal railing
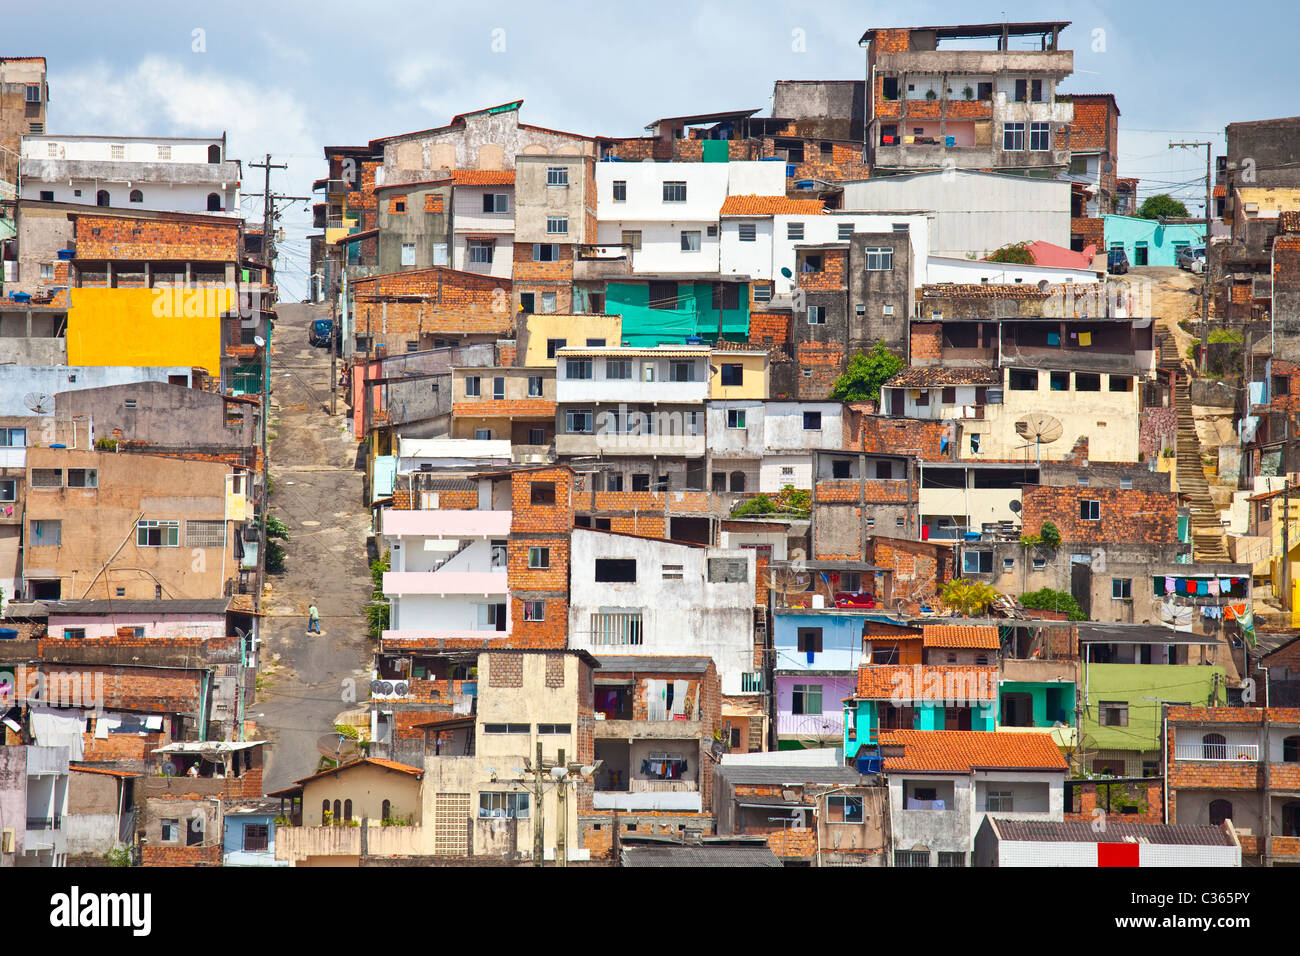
point(44, 823)
point(1216, 751)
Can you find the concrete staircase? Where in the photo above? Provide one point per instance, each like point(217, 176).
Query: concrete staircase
point(1208, 542)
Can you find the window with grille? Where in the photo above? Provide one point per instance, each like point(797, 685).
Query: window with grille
point(577, 368)
point(117, 151)
point(83, 478)
point(751, 682)
point(762, 292)
point(672, 572)
point(794, 230)
point(844, 231)
point(257, 837)
point(47, 477)
point(557, 175)
point(205, 534)
point(150, 533)
point(618, 370)
point(947, 859)
point(999, 801)
point(616, 627)
point(748, 231)
point(674, 192)
point(911, 858)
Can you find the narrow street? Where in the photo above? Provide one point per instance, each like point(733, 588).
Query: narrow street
point(316, 492)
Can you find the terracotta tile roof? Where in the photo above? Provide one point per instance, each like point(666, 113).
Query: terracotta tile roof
point(960, 635)
point(769, 206)
point(483, 177)
point(376, 761)
point(1289, 221)
point(917, 377)
point(963, 751)
point(900, 681)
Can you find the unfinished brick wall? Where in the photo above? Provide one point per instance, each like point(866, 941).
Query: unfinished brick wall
point(897, 436)
point(926, 340)
point(825, 362)
point(540, 525)
point(116, 237)
point(598, 827)
point(449, 302)
point(1149, 517)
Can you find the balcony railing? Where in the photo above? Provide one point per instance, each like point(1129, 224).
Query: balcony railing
point(810, 725)
point(44, 823)
point(1225, 751)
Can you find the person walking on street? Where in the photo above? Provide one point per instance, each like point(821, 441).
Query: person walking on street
point(313, 620)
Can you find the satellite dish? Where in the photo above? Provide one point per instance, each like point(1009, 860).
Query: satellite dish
point(259, 341)
point(168, 769)
point(1039, 429)
point(337, 747)
point(401, 688)
point(786, 272)
point(39, 402)
point(1014, 507)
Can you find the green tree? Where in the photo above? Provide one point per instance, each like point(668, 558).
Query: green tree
point(1047, 599)
point(968, 598)
point(1050, 535)
point(377, 607)
point(1015, 252)
point(1162, 205)
point(866, 372)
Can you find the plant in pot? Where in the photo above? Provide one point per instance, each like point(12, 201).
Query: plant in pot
point(968, 93)
point(931, 95)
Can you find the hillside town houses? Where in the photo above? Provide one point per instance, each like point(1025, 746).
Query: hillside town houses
point(833, 487)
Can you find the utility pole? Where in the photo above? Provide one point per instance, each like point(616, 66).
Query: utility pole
point(1205, 285)
point(1286, 542)
point(538, 818)
point(561, 815)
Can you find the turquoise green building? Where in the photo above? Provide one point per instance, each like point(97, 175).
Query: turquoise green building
point(698, 312)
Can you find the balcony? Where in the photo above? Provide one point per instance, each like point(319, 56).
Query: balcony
point(984, 62)
point(44, 823)
point(441, 583)
point(446, 523)
point(651, 729)
point(686, 446)
point(1217, 752)
point(602, 262)
point(810, 725)
point(415, 638)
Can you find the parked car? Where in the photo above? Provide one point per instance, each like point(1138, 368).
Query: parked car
point(1198, 261)
point(321, 331)
point(1188, 256)
point(1117, 262)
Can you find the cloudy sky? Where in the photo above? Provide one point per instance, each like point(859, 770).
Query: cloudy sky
point(289, 77)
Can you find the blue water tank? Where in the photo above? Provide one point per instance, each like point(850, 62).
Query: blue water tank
point(870, 764)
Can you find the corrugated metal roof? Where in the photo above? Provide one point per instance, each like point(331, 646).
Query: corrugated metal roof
point(792, 775)
point(696, 856)
point(181, 606)
point(1117, 831)
point(620, 665)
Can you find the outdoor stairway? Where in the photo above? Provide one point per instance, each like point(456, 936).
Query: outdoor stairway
point(1208, 543)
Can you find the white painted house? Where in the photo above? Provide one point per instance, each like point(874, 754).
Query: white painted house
point(483, 222)
point(649, 596)
point(165, 173)
point(764, 446)
point(668, 212)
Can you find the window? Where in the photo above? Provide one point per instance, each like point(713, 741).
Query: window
point(912, 858)
point(616, 570)
point(879, 259)
point(811, 262)
point(728, 570)
point(735, 418)
point(408, 253)
point(816, 315)
point(810, 640)
point(1121, 383)
point(1087, 382)
point(13, 437)
point(842, 469)
point(473, 386)
point(557, 175)
point(116, 152)
point(537, 436)
point(480, 251)
point(257, 836)
point(539, 558)
point(951, 860)
point(1291, 749)
point(534, 610)
point(503, 804)
point(8, 489)
point(552, 345)
point(977, 562)
point(577, 368)
point(136, 196)
point(844, 231)
point(83, 478)
point(557, 225)
point(171, 831)
point(534, 387)
point(691, 241)
point(1089, 509)
point(150, 533)
point(999, 801)
point(762, 292)
point(47, 477)
point(616, 627)
point(1023, 380)
point(673, 572)
point(543, 492)
point(496, 202)
point(618, 370)
point(1058, 381)
point(554, 729)
point(399, 205)
point(102, 198)
point(748, 231)
point(205, 534)
point(1013, 135)
point(794, 231)
point(632, 239)
point(681, 371)
point(674, 192)
point(620, 190)
point(74, 633)
point(1113, 713)
point(1040, 137)
point(47, 195)
point(1220, 810)
point(1121, 589)
point(492, 617)
point(812, 421)
point(975, 443)
point(844, 809)
point(546, 251)
point(641, 482)
point(806, 699)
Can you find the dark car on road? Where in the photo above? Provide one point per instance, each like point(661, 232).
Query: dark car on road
point(1117, 262)
point(321, 332)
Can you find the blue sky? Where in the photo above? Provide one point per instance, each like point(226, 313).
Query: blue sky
point(288, 77)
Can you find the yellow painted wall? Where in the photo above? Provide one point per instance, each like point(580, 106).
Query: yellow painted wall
point(141, 327)
point(574, 329)
point(754, 382)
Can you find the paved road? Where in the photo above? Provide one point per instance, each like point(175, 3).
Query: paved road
point(317, 493)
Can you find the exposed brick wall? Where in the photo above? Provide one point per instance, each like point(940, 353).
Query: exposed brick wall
point(152, 855)
point(833, 276)
point(1151, 791)
point(1091, 229)
point(505, 670)
point(114, 237)
point(540, 525)
point(453, 302)
point(598, 827)
point(1149, 517)
point(769, 328)
point(826, 362)
point(897, 436)
point(554, 670)
point(926, 341)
